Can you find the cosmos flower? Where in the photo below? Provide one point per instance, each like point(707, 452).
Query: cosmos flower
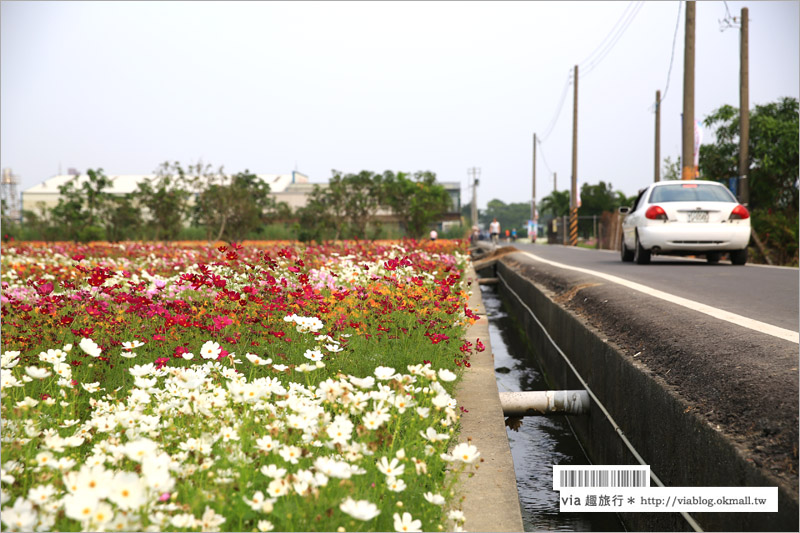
point(360, 509)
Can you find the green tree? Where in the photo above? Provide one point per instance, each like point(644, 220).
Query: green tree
point(510, 216)
point(556, 204)
point(122, 218)
point(773, 175)
point(417, 201)
point(232, 207)
point(165, 201)
point(78, 213)
point(671, 169)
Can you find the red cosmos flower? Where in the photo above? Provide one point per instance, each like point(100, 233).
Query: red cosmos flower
point(221, 321)
point(161, 362)
point(66, 320)
point(479, 345)
point(157, 337)
point(78, 257)
point(45, 288)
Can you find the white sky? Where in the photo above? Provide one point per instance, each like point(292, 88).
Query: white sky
point(440, 86)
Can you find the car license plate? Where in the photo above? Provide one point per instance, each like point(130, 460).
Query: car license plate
point(698, 216)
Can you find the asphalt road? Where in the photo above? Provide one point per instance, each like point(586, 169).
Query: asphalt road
point(767, 294)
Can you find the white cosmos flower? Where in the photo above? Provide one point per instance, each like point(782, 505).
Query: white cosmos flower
point(314, 355)
point(132, 345)
point(363, 383)
point(188, 356)
point(20, 517)
point(431, 435)
point(210, 350)
point(128, 355)
point(184, 521)
point(391, 469)
point(333, 468)
point(91, 387)
point(406, 522)
point(267, 444)
point(435, 499)
point(446, 375)
point(464, 452)
point(456, 515)
point(90, 347)
point(360, 510)
point(273, 471)
point(257, 360)
point(142, 370)
point(80, 505)
point(395, 485)
point(265, 525)
point(280, 368)
point(37, 373)
point(334, 348)
point(384, 372)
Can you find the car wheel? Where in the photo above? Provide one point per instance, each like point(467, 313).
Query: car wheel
point(640, 255)
point(739, 257)
point(713, 257)
point(625, 254)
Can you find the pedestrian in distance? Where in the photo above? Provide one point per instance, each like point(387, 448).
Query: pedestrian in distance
point(514, 235)
point(434, 235)
point(494, 230)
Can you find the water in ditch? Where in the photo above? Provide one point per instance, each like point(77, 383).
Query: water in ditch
point(540, 441)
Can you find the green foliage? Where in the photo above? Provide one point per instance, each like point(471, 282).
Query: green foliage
point(773, 168)
point(510, 216)
point(556, 204)
point(418, 202)
point(78, 215)
point(671, 169)
point(165, 201)
point(232, 207)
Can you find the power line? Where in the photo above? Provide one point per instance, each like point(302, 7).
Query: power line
point(672, 55)
point(539, 142)
point(549, 129)
point(606, 49)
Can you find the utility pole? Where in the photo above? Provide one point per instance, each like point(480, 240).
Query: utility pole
point(573, 213)
point(687, 152)
point(475, 173)
point(555, 181)
point(744, 111)
point(657, 174)
point(533, 196)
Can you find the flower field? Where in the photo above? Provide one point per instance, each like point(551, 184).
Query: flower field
point(255, 387)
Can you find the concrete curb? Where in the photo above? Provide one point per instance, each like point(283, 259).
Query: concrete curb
point(491, 501)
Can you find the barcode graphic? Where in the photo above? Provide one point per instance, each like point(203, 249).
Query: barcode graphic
point(600, 476)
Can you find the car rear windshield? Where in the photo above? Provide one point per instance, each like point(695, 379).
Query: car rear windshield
point(691, 192)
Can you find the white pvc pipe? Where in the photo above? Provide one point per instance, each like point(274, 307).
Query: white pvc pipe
point(532, 403)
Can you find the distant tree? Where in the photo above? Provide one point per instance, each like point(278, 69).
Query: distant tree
point(556, 204)
point(671, 169)
point(360, 196)
point(122, 218)
point(78, 213)
point(231, 207)
point(417, 201)
point(164, 201)
point(773, 175)
point(510, 216)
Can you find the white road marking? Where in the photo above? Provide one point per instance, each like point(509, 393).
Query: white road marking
point(733, 318)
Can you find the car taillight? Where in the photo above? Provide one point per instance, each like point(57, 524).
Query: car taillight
point(655, 212)
point(739, 213)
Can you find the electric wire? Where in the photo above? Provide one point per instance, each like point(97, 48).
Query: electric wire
point(610, 46)
point(610, 33)
point(554, 120)
point(538, 142)
point(672, 55)
point(691, 521)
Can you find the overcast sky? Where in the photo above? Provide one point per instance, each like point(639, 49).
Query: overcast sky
point(273, 86)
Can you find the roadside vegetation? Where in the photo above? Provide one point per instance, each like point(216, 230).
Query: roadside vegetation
point(182, 387)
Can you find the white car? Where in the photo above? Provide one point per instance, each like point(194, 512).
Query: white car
point(688, 217)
